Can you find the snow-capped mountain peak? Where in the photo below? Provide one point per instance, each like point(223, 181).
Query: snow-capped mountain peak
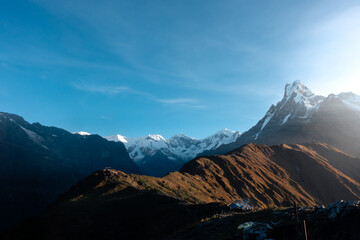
point(179, 147)
point(299, 101)
point(298, 89)
point(226, 132)
point(299, 104)
point(156, 137)
point(117, 138)
point(180, 136)
point(224, 136)
point(300, 94)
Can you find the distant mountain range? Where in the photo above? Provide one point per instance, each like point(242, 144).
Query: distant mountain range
point(37, 163)
point(300, 117)
point(157, 156)
point(110, 204)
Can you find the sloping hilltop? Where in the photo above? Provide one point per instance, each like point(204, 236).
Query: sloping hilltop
point(112, 204)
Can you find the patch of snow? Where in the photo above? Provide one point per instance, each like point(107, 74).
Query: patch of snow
point(270, 113)
point(156, 137)
point(33, 136)
point(82, 133)
point(268, 118)
point(117, 138)
point(286, 119)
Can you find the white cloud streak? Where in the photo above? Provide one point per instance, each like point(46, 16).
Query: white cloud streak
point(101, 89)
point(177, 100)
point(113, 90)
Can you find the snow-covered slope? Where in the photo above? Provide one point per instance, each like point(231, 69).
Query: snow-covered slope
point(177, 148)
point(350, 99)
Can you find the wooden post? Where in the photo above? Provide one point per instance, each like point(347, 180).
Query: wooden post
point(305, 231)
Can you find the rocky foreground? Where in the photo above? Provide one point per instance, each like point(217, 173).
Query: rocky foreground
point(339, 220)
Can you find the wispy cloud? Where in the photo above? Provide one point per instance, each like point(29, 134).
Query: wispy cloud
point(185, 59)
point(113, 90)
point(177, 100)
point(182, 102)
point(101, 89)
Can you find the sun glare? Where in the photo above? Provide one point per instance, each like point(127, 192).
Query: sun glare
point(330, 57)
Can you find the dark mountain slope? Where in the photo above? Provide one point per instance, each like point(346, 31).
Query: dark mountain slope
point(38, 163)
point(313, 172)
point(345, 163)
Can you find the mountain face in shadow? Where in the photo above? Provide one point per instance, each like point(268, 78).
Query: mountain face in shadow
point(111, 203)
point(303, 117)
point(38, 163)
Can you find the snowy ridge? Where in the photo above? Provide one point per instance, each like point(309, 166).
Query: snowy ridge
point(178, 148)
point(117, 138)
point(298, 103)
point(299, 95)
point(286, 119)
point(350, 99)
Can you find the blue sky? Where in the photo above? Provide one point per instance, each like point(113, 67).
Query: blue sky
point(168, 67)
